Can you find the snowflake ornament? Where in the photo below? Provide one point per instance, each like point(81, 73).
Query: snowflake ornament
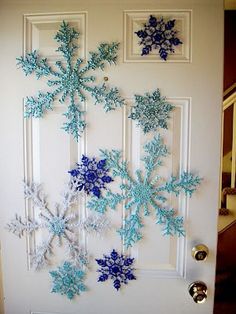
point(68, 280)
point(158, 34)
point(61, 224)
point(71, 80)
point(117, 268)
point(144, 192)
point(151, 111)
point(91, 175)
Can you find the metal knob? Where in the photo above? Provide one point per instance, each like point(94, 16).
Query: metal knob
point(198, 291)
point(200, 252)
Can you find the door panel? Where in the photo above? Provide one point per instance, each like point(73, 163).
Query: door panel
point(191, 80)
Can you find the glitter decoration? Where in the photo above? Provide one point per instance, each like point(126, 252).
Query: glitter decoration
point(62, 224)
point(117, 268)
point(68, 280)
point(151, 111)
point(71, 80)
point(91, 175)
point(145, 192)
point(158, 34)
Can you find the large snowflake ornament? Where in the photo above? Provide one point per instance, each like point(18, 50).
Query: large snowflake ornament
point(91, 175)
point(117, 268)
point(61, 224)
point(158, 34)
point(71, 80)
point(144, 192)
point(151, 111)
point(68, 280)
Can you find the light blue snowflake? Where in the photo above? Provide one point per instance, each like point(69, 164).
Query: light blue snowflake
point(146, 191)
point(151, 111)
point(72, 81)
point(68, 280)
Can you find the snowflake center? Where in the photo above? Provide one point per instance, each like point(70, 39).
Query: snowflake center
point(91, 176)
point(57, 226)
point(142, 193)
point(151, 111)
point(68, 280)
point(71, 81)
point(115, 270)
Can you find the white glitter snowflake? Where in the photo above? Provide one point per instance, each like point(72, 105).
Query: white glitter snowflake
point(62, 225)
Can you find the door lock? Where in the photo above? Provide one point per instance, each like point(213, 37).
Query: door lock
point(198, 291)
point(200, 252)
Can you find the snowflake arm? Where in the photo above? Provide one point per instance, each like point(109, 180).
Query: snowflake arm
point(173, 225)
point(68, 280)
point(151, 111)
point(18, 227)
point(119, 168)
point(106, 53)
point(95, 224)
point(111, 200)
point(33, 192)
point(130, 232)
point(36, 107)
point(32, 63)
point(110, 98)
point(75, 124)
point(40, 258)
point(155, 150)
point(65, 37)
point(187, 183)
point(77, 255)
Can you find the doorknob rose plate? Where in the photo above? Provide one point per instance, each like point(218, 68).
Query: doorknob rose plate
point(198, 291)
point(200, 252)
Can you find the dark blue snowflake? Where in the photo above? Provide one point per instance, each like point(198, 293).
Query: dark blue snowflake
point(91, 175)
point(158, 34)
point(117, 268)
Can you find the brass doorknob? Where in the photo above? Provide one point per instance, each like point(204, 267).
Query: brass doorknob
point(200, 252)
point(198, 291)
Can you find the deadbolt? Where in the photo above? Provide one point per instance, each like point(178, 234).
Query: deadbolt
point(198, 291)
point(200, 252)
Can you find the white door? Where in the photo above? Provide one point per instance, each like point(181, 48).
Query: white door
point(41, 152)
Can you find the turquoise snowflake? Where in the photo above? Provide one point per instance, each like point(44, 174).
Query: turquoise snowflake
point(151, 111)
point(144, 192)
point(68, 280)
point(72, 81)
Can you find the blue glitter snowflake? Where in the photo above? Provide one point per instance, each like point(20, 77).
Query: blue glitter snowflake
point(91, 175)
point(151, 111)
point(117, 268)
point(158, 34)
point(68, 280)
point(146, 191)
point(72, 80)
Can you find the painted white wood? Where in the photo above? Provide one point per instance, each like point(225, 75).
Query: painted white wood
point(39, 150)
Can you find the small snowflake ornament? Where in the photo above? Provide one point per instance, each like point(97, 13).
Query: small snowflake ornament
point(151, 111)
point(71, 81)
point(91, 175)
point(68, 280)
point(61, 226)
point(144, 192)
point(158, 34)
point(117, 268)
